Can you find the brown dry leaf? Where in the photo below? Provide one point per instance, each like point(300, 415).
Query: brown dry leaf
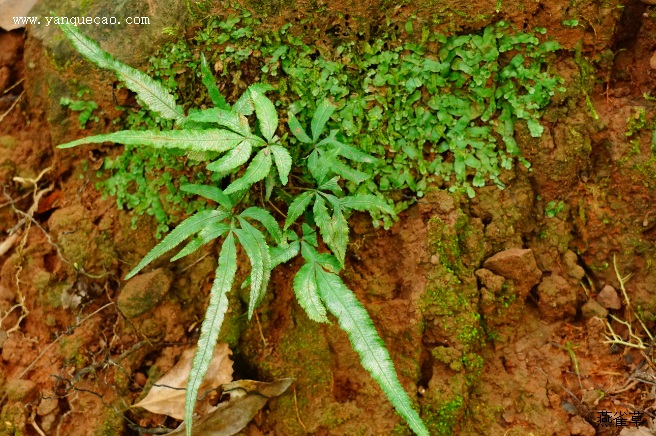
point(171, 402)
point(247, 397)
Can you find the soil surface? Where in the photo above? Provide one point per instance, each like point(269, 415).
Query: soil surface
point(530, 310)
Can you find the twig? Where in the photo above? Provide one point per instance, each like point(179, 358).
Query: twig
point(298, 416)
point(13, 105)
point(14, 85)
point(257, 318)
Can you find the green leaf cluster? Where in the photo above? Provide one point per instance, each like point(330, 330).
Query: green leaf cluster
point(246, 153)
point(440, 110)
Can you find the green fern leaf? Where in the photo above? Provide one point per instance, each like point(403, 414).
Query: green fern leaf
point(245, 105)
point(330, 185)
point(224, 118)
point(211, 192)
point(151, 92)
point(267, 220)
point(212, 90)
point(354, 320)
point(305, 288)
point(266, 113)
point(234, 158)
point(195, 140)
point(208, 234)
point(284, 253)
point(188, 227)
point(334, 230)
point(258, 253)
point(283, 162)
point(297, 130)
point(256, 171)
point(347, 151)
point(339, 228)
point(347, 172)
point(297, 207)
point(365, 203)
point(320, 118)
point(209, 331)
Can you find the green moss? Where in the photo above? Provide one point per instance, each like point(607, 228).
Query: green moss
point(442, 419)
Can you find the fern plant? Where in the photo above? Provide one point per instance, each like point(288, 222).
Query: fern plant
point(224, 135)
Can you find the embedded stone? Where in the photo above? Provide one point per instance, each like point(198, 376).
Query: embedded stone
point(517, 265)
point(593, 309)
point(143, 293)
point(609, 299)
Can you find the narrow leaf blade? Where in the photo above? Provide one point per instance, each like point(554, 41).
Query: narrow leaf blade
point(354, 320)
point(266, 113)
point(258, 252)
point(216, 140)
point(365, 203)
point(320, 118)
point(298, 206)
point(267, 220)
point(305, 288)
point(256, 171)
point(234, 158)
point(283, 162)
point(188, 227)
point(211, 192)
point(297, 130)
point(209, 331)
point(212, 90)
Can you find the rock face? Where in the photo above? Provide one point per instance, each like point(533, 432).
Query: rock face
point(557, 298)
point(143, 293)
point(517, 265)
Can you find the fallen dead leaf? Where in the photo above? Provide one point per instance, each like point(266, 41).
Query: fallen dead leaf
point(247, 397)
point(168, 397)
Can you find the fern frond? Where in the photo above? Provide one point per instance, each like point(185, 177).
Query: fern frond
point(234, 158)
point(194, 140)
point(149, 91)
point(212, 90)
point(331, 185)
point(283, 162)
point(365, 203)
point(210, 192)
point(188, 227)
point(320, 118)
point(282, 254)
point(267, 220)
point(305, 288)
point(266, 113)
point(347, 172)
point(298, 206)
point(334, 230)
point(209, 331)
point(258, 253)
point(354, 320)
point(347, 151)
point(297, 130)
point(208, 234)
point(256, 171)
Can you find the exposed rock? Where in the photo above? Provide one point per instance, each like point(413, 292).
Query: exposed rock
point(574, 270)
point(579, 426)
point(557, 298)
point(20, 390)
point(518, 265)
point(47, 405)
point(640, 431)
point(609, 299)
point(143, 293)
point(591, 309)
point(490, 280)
point(652, 61)
point(14, 8)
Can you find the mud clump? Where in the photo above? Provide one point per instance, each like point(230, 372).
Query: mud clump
point(517, 265)
point(557, 298)
point(143, 293)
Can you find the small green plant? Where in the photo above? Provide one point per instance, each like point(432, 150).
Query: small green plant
point(570, 23)
point(85, 108)
point(553, 208)
point(249, 158)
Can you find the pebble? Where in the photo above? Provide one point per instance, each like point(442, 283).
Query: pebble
point(591, 309)
point(609, 299)
point(652, 61)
